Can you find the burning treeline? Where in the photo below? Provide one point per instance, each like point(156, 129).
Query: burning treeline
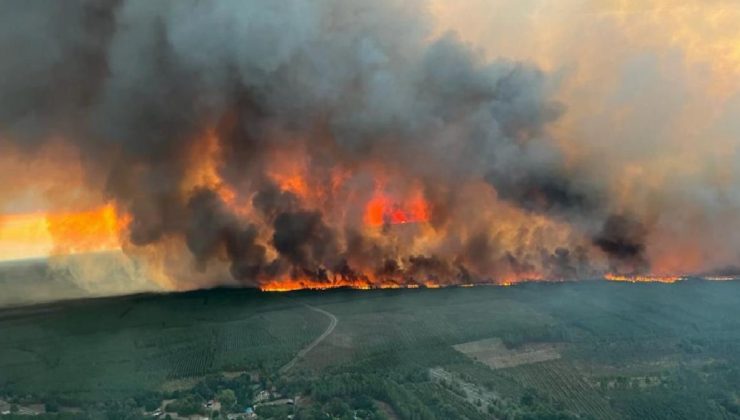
point(303, 144)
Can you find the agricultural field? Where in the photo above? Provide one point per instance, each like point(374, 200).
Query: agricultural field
point(581, 350)
point(494, 353)
point(570, 350)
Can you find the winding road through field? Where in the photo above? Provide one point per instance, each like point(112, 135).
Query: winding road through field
point(315, 342)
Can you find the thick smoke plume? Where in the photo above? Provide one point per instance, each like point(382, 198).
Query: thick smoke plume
point(317, 142)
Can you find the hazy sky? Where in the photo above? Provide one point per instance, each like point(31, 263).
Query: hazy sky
point(652, 90)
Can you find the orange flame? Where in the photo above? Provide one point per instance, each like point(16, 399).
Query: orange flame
point(204, 170)
point(306, 284)
point(381, 210)
point(61, 233)
point(293, 183)
point(87, 231)
point(290, 284)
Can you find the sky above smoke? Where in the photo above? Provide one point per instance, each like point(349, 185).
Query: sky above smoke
point(363, 142)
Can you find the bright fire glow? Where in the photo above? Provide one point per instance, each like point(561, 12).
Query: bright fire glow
point(204, 170)
point(36, 235)
point(290, 284)
point(381, 210)
point(293, 284)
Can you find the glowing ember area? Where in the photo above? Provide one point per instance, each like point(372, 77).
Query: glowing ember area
point(205, 156)
point(86, 231)
point(295, 184)
point(290, 285)
point(644, 278)
point(62, 233)
point(24, 236)
point(382, 210)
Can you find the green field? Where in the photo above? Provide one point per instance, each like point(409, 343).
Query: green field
point(570, 350)
point(114, 348)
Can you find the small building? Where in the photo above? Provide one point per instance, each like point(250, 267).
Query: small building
point(262, 396)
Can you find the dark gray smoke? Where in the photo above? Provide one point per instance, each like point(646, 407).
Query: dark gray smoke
point(135, 84)
point(213, 229)
point(304, 239)
point(622, 238)
point(272, 201)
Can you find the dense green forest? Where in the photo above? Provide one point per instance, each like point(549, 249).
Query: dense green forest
point(533, 351)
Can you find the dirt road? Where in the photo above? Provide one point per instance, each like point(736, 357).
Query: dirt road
point(314, 343)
